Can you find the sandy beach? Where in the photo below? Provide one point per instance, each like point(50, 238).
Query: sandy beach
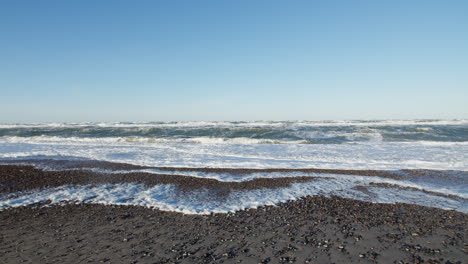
point(314, 229)
point(311, 230)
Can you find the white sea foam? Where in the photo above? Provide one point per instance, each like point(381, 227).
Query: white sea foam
point(244, 124)
point(143, 140)
point(56, 140)
point(363, 155)
point(453, 185)
point(168, 198)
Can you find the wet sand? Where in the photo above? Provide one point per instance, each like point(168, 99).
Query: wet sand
point(85, 164)
point(14, 178)
point(314, 229)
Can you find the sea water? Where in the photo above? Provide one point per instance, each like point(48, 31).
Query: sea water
point(389, 145)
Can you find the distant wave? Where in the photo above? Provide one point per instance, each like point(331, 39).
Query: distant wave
point(381, 144)
point(193, 140)
point(243, 123)
point(147, 140)
point(297, 132)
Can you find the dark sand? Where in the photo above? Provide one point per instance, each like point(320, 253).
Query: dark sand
point(84, 164)
point(311, 230)
point(14, 178)
point(314, 229)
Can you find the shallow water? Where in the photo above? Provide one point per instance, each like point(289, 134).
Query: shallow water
point(389, 145)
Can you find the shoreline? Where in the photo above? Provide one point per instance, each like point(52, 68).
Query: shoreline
point(58, 164)
point(314, 229)
point(311, 229)
point(217, 186)
point(21, 175)
point(17, 178)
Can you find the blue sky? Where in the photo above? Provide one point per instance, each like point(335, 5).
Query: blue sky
point(232, 60)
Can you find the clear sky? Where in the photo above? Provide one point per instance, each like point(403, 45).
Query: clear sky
point(232, 60)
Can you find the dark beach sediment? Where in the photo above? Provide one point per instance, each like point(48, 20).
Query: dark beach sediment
point(15, 178)
point(21, 177)
point(310, 230)
point(114, 166)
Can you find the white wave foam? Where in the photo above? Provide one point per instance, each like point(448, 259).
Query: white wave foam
point(155, 140)
point(169, 198)
point(144, 140)
point(244, 124)
point(373, 137)
point(441, 185)
point(377, 156)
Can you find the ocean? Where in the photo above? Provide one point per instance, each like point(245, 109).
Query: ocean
point(426, 159)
